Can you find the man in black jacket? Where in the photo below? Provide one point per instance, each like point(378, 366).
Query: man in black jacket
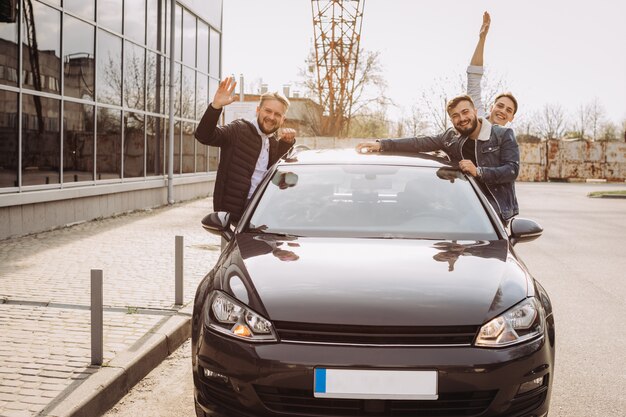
point(248, 147)
point(487, 152)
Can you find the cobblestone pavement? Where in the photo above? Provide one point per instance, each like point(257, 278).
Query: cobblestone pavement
point(45, 348)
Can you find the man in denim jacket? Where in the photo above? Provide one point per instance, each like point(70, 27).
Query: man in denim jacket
point(487, 152)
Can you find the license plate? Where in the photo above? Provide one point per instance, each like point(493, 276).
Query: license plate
point(375, 384)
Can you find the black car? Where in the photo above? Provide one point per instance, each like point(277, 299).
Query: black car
point(371, 285)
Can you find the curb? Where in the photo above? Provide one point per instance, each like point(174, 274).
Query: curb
point(111, 382)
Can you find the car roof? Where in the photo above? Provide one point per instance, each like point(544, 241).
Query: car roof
point(351, 156)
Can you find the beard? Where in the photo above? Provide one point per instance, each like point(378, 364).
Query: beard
point(264, 129)
point(469, 128)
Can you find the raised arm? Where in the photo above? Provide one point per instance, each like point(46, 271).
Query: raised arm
point(207, 132)
point(477, 58)
point(224, 94)
point(475, 69)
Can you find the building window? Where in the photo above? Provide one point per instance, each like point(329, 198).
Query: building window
point(177, 89)
point(178, 33)
point(176, 145)
point(155, 29)
point(109, 82)
point(134, 144)
point(203, 47)
point(202, 93)
point(109, 144)
point(134, 67)
point(41, 140)
point(8, 139)
point(214, 58)
point(45, 60)
point(189, 39)
point(189, 98)
point(189, 143)
point(135, 20)
point(9, 54)
point(110, 14)
point(78, 142)
point(156, 84)
point(78, 59)
point(155, 146)
point(202, 154)
point(83, 8)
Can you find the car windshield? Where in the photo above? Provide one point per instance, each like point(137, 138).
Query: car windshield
point(377, 201)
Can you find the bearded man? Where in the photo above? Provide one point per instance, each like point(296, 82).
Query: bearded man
point(248, 147)
point(487, 152)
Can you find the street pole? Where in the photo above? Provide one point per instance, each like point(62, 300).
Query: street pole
point(170, 160)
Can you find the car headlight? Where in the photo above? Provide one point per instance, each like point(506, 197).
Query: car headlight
point(521, 323)
point(228, 316)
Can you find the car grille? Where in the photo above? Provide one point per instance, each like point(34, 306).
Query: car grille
point(376, 335)
point(283, 400)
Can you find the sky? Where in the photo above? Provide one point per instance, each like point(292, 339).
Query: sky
point(565, 52)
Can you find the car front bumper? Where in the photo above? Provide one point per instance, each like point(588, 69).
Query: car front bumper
point(233, 378)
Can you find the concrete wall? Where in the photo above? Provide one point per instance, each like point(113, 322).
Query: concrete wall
point(80, 204)
point(554, 160)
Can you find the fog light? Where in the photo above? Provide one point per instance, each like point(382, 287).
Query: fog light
point(214, 375)
point(530, 385)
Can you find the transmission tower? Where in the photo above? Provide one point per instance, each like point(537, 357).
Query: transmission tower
point(337, 30)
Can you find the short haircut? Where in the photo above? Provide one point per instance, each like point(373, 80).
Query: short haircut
point(510, 96)
point(456, 100)
point(275, 95)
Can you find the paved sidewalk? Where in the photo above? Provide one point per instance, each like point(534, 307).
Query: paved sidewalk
point(45, 347)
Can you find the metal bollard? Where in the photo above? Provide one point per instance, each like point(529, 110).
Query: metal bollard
point(97, 339)
point(178, 285)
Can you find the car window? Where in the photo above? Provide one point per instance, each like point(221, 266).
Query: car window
point(378, 201)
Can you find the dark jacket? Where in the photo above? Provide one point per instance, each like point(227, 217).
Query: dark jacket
point(240, 145)
point(498, 158)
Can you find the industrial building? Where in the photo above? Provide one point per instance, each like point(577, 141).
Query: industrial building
point(86, 108)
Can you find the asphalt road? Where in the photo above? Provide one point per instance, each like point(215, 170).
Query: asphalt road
point(579, 259)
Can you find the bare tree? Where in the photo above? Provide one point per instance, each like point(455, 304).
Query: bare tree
point(435, 100)
point(581, 121)
point(525, 125)
point(415, 123)
point(551, 121)
point(370, 124)
point(608, 131)
point(596, 117)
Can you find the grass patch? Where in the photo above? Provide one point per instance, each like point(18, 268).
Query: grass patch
point(608, 193)
point(132, 310)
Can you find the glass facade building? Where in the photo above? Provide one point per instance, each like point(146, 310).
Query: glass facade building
point(85, 97)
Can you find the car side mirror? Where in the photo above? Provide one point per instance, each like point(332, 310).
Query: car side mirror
point(218, 223)
point(524, 230)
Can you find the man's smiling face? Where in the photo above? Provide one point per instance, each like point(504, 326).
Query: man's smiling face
point(502, 111)
point(464, 118)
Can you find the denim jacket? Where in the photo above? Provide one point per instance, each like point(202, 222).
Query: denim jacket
point(496, 154)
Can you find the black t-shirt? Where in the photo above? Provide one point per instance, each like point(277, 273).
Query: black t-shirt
point(469, 150)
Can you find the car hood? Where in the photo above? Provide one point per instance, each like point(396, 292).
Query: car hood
point(357, 281)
